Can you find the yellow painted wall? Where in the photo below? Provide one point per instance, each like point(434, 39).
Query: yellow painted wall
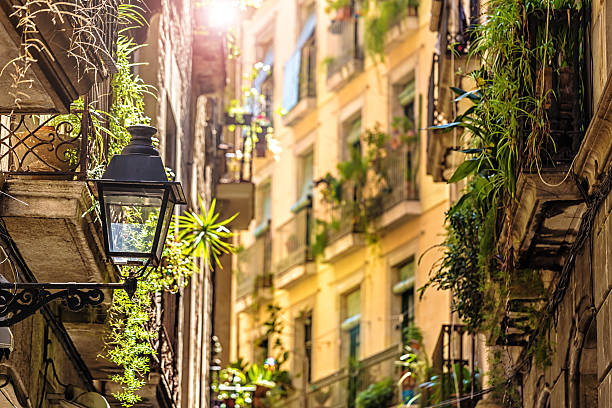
point(371, 265)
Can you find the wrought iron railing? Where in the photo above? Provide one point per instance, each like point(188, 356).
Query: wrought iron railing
point(255, 266)
point(339, 389)
point(346, 44)
point(168, 351)
point(400, 178)
point(358, 205)
point(292, 241)
point(455, 359)
point(344, 216)
point(164, 321)
point(50, 145)
point(565, 85)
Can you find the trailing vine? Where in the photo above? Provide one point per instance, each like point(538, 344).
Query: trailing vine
point(129, 344)
point(85, 44)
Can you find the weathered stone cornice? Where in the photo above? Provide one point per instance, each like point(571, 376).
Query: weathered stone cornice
point(595, 154)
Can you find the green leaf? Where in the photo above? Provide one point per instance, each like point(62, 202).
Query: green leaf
point(465, 169)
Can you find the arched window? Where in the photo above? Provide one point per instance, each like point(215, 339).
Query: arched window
point(587, 369)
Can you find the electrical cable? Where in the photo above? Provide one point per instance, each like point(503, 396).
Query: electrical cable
point(55, 374)
point(7, 398)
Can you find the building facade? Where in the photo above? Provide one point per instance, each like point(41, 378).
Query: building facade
point(345, 280)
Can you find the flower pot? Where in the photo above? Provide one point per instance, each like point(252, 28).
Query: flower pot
point(45, 150)
point(343, 13)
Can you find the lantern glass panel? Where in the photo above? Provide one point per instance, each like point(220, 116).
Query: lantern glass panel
point(165, 227)
point(131, 219)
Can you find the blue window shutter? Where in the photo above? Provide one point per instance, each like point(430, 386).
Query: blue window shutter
point(291, 80)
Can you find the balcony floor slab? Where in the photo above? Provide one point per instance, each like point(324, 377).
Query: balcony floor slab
point(54, 232)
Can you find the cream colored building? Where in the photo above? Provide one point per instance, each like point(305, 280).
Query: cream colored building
point(354, 300)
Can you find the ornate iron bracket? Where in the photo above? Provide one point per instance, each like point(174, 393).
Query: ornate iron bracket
point(21, 300)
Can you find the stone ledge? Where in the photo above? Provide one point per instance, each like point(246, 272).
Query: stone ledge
point(343, 246)
point(300, 110)
point(341, 77)
point(58, 238)
point(294, 275)
point(400, 212)
point(546, 219)
point(400, 31)
point(595, 155)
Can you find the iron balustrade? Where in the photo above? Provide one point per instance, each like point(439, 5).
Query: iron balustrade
point(398, 184)
point(455, 352)
point(255, 266)
point(63, 146)
point(292, 241)
point(400, 176)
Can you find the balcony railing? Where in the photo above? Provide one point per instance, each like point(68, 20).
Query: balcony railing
point(347, 44)
point(255, 266)
point(292, 241)
point(455, 355)
point(63, 146)
point(339, 389)
point(398, 185)
point(400, 177)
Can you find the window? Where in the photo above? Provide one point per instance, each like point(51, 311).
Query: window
point(404, 128)
point(300, 65)
point(351, 327)
point(405, 298)
point(263, 207)
point(262, 103)
point(351, 137)
point(261, 350)
point(303, 348)
point(306, 176)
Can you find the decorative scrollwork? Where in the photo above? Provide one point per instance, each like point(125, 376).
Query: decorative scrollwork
point(21, 303)
point(53, 144)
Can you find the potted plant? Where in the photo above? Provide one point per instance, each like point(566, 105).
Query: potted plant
point(378, 395)
point(342, 9)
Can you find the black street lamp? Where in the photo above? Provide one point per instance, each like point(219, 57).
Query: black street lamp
point(136, 204)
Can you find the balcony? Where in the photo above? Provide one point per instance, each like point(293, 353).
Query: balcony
point(399, 197)
point(346, 43)
point(403, 26)
point(73, 46)
point(44, 163)
point(340, 389)
point(384, 205)
point(254, 272)
point(292, 249)
point(549, 204)
point(307, 85)
point(454, 44)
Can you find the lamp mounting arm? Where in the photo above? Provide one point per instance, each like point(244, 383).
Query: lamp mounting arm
point(22, 299)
